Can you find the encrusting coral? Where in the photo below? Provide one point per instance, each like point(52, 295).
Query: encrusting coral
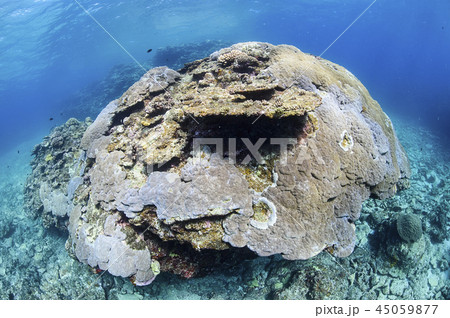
point(255, 146)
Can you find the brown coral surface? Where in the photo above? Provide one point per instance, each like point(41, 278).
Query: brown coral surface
point(256, 146)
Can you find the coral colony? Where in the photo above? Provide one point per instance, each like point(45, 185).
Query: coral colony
point(256, 149)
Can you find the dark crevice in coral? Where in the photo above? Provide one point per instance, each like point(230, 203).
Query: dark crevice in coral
point(318, 86)
point(178, 257)
point(331, 199)
point(9, 232)
point(205, 218)
point(149, 221)
point(185, 261)
point(119, 116)
point(198, 76)
point(265, 94)
point(248, 69)
point(233, 129)
point(181, 226)
point(237, 134)
point(166, 166)
point(58, 156)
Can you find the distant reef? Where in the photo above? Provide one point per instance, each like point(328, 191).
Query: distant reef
point(90, 100)
point(255, 150)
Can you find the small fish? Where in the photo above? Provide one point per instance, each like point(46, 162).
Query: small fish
point(149, 50)
point(442, 28)
point(18, 151)
point(51, 118)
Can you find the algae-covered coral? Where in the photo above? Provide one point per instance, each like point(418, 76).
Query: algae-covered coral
point(256, 146)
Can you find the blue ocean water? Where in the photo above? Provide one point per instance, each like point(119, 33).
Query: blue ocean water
point(52, 51)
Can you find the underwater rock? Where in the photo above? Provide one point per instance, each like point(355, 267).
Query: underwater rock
point(313, 283)
point(406, 255)
point(5, 230)
point(402, 252)
point(437, 230)
point(257, 146)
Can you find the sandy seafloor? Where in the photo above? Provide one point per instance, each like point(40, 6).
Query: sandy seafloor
point(35, 265)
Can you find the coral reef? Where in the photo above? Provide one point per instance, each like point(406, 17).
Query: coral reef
point(57, 167)
point(256, 146)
